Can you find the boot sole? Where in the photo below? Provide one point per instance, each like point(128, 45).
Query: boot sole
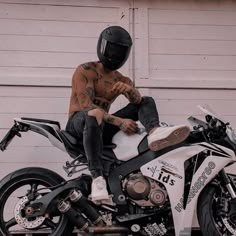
point(175, 137)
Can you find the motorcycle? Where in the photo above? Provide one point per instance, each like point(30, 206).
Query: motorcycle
point(152, 193)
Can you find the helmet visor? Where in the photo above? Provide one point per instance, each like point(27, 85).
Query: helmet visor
point(116, 51)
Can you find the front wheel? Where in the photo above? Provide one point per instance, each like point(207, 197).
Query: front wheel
point(20, 188)
point(216, 212)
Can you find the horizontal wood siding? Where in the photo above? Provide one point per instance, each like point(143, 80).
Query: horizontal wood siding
point(48, 39)
point(188, 41)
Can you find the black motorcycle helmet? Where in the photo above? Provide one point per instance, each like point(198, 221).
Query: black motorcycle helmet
point(113, 47)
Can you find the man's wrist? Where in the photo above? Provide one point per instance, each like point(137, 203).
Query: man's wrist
point(114, 120)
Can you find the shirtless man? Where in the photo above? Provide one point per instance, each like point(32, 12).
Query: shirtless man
point(95, 86)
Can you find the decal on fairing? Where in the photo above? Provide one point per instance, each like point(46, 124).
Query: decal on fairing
point(155, 229)
point(196, 186)
point(170, 169)
point(163, 175)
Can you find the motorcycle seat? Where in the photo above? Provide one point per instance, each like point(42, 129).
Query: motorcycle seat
point(74, 141)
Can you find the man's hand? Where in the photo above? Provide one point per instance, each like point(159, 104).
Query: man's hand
point(129, 91)
point(128, 126)
point(121, 88)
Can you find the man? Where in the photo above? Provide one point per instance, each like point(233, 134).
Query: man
point(95, 85)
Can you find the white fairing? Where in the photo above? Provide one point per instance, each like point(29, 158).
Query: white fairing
point(127, 145)
point(56, 141)
point(169, 170)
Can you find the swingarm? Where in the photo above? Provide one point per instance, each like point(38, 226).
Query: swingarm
point(41, 205)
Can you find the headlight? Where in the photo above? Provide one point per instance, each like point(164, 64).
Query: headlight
point(231, 134)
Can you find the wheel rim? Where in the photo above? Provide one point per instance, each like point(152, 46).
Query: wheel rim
point(224, 224)
point(11, 206)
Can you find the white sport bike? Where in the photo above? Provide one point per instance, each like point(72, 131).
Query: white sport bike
point(152, 193)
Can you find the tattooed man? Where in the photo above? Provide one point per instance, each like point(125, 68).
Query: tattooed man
point(95, 85)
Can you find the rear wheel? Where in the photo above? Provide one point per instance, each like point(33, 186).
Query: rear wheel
point(216, 212)
point(19, 189)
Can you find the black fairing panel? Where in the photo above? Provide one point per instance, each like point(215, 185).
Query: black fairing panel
point(143, 145)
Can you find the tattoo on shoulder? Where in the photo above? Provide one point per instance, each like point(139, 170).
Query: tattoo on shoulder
point(85, 66)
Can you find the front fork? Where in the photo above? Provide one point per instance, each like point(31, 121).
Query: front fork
point(228, 183)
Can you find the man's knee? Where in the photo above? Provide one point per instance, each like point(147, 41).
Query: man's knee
point(98, 114)
point(147, 99)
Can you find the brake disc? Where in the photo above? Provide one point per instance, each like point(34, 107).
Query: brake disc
point(23, 221)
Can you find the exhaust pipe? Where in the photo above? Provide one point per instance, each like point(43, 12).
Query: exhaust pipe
point(86, 208)
point(74, 216)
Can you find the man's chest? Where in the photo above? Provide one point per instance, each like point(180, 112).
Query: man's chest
point(103, 88)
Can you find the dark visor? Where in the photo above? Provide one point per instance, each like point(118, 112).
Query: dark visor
point(116, 51)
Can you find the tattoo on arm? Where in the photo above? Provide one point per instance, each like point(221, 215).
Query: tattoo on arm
point(111, 119)
point(134, 96)
point(91, 93)
point(76, 100)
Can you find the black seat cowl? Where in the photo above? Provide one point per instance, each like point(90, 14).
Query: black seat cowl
point(69, 137)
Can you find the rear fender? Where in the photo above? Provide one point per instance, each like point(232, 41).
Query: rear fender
point(14, 131)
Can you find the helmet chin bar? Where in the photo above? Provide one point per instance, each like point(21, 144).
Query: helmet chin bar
point(110, 66)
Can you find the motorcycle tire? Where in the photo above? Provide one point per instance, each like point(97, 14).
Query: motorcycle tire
point(210, 219)
point(18, 180)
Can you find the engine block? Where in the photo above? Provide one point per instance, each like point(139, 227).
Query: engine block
point(143, 191)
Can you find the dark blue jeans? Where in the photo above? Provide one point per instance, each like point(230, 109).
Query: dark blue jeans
point(93, 136)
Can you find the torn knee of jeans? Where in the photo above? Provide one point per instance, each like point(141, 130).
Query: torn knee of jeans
point(91, 122)
point(98, 114)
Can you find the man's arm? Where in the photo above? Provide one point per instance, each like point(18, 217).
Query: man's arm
point(126, 87)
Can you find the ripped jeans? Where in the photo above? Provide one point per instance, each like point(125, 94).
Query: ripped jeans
point(86, 129)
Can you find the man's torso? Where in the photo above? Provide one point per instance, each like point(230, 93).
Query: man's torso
point(102, 84)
